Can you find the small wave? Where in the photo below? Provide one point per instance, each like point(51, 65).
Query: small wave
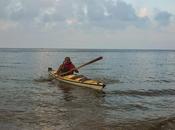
point(138, 106)
point(160, 81)
point(111, 81)
point(145, 93)
point(14, 79)
point(127, 107)
point(107, 80)
point(16, 63)
point(1, 66)
point(7, 66)
point(10, 65)
point(151, 77)
point(99, 69)
point(164, 124)
point(19, 79)
point(154, 124)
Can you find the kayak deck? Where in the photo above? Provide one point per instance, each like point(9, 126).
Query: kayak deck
point(78, 80)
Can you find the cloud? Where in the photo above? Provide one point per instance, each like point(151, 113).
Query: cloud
point(143, 12)
point(163, 18)
point(119, 15)
point(83, 23)
point(3, 4)
point(5, 25)
point(106, 14)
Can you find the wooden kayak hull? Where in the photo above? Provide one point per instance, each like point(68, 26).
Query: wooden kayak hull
point(77, 80)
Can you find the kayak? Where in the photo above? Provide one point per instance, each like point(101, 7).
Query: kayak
point(77, 80)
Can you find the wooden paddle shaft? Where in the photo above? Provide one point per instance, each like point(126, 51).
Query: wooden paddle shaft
point(90, 62)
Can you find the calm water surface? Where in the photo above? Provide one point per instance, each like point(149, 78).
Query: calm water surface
point(140, 91)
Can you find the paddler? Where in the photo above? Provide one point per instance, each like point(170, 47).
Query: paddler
point(67, 67)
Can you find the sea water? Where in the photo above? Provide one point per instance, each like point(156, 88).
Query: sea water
point(139, 92)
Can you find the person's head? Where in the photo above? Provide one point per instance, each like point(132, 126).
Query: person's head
point(67, 60)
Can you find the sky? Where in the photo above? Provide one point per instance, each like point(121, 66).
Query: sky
point(105, 24)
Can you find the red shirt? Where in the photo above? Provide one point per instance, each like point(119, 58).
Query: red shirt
point(67, 67)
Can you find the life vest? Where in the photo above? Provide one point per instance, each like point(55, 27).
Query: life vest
point(67, 67)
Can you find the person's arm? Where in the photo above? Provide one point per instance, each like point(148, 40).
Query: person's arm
point(59, 69)
point(75, 69)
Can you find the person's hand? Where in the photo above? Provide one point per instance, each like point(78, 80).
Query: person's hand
point(75, 69)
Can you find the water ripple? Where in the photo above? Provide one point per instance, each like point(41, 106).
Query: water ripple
point(163, 92)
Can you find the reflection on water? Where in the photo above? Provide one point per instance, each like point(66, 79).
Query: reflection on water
point(139, 93)
point(66, 89)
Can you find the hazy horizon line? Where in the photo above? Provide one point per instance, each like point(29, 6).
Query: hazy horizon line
point(153, 49)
